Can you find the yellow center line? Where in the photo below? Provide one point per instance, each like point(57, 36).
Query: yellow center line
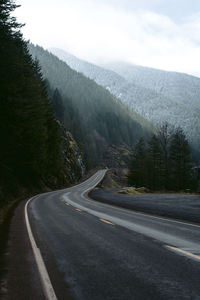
point(183, 252)
point(78, 209)
point(105, 221)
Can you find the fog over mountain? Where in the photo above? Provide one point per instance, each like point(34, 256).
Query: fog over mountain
point(179, 87)
point(98, 120)
point(155, 94)
point(155, 33)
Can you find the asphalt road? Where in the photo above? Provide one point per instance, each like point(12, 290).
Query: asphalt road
point(98, 251)
point(177, 206)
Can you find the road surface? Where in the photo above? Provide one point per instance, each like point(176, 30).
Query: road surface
point(176, 206)
point(96, 251)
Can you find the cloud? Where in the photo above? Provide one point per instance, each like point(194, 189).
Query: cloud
point(101, 31)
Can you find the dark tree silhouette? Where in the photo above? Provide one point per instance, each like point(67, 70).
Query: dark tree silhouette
point(30, 143)
point(164, 163)
point(180, 161)
point(155, 164)
point(138, 171)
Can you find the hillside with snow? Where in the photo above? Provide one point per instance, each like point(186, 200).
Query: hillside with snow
point(155, 94)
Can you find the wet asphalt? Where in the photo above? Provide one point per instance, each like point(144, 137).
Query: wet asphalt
point(98, 251)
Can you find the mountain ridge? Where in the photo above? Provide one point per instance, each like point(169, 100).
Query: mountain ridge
point(97, 119)
point(159, 80)
point(157, 95)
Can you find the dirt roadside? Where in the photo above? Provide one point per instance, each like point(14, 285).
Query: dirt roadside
point(19, 276)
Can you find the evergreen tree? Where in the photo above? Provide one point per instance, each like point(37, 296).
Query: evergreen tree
point(155, 163)
point(164, 164)
point(137, 173)
point(30, 144)
point(58, 106)
point(164, 137)
point(181, 173)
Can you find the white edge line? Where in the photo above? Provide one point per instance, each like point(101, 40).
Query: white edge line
point(94, 185)
point(153, 216)
point(138, 212)
point(119, 208)
point(141, 213)
point(166, 219)
point(46, 283)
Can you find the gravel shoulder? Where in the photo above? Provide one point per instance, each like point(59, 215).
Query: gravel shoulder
point(177, 206)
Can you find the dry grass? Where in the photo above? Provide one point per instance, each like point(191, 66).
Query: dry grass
point(129, 191)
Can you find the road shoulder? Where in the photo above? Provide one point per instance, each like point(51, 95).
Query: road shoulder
point(176, 206)
point(21, 277)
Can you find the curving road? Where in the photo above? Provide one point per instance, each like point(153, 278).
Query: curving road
point(96, 251)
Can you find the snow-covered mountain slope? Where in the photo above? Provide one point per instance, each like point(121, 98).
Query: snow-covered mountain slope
point(155, 94)
point(179, 87)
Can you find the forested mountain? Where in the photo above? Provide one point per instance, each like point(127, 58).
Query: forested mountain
point(179, 87)
point(156, 95)
point(179, 97)
point(106, 78)
point(33, 152)
point(96, 118)
point(113, 82)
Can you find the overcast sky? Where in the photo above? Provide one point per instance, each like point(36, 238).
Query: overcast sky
point(163, 34)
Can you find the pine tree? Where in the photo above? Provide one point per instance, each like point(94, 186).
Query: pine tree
point(30, 144)
point(164, 136)
point(58, 106)
point(165, 163)
point(181, 173)
point(155, 163)
point(137, 173)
